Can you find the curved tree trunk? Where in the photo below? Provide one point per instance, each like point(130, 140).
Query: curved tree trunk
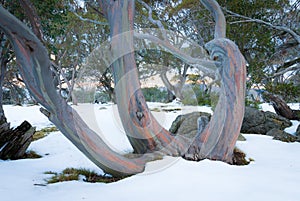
point(142, 129)
point(217, 140)
point(34, 63)
point(176, 90)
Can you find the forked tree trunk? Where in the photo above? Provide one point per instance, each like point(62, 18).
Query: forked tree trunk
point(217, 140)
point(142, 129)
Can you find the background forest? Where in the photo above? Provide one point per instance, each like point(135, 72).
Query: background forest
point(266, 32)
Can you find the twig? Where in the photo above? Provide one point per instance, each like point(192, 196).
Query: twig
point(89, 20)
point(157, 22)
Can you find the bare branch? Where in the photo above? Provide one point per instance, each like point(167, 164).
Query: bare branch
point(89, 20)
point(291, 68)
point(166, 81)
point(281, 28)
point(215, 9)
point(157, 22)
point(289, 63)
point(241, 21)
point(95, 9)
point(205, 65)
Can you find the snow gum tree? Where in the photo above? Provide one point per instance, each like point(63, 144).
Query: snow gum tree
point(149, 139)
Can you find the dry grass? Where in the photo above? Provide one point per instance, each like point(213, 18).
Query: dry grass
point(43, 132)
point(71, 174)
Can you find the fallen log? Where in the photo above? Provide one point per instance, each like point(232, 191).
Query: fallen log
point(281, 108)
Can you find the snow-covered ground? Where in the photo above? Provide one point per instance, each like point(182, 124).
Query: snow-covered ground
point(274, 175)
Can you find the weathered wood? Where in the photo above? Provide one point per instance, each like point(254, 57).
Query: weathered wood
point(280, 106)
point(144, 132)
point(14, 142)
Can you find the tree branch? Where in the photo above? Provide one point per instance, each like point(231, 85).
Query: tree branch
point(291, 68)
point(166, 81)
point(207, 66)
point(33, 17)
point(156, 22)
point(95, 9)
point(89, 20)
point(34, 64)
point(215, 9)
point(288, 64)
point(281, 28)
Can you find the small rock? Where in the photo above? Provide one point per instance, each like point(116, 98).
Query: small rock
point(187, 124)
point(241, 138)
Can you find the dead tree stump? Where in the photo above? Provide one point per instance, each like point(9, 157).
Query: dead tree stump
point(14, 142)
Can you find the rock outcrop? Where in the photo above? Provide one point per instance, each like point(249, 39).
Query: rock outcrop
point(259, 122)
point(255, 122)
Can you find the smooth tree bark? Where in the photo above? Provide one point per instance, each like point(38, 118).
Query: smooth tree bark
point(214, 141)
point(177, 88)
point(217, 141)
point(34, 63)
point(142, 129)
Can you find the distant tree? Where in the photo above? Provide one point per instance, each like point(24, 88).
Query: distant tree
point(177, 19)
point(267, 33)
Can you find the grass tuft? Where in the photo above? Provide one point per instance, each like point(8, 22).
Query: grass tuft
point(43, 132)
point(155, 109)
point(71, 174)
point(31, 155)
